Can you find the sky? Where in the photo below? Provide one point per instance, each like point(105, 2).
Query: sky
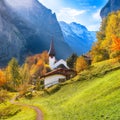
point(85, 12)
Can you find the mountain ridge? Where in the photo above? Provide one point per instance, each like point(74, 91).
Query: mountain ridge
point(78, 37)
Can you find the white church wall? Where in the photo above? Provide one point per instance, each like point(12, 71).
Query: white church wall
point(52, 80)
point(52, 62)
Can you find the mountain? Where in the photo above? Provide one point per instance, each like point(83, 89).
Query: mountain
point(78, 37)
point(26, 26)
point(111, 6)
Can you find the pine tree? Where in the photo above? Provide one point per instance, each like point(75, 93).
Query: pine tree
point(71, 60)
point(25, 73)
point(13, 72)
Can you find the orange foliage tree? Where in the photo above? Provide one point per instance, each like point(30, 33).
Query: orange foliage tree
point(2, 78)
point(38, 64)
point(116, 43)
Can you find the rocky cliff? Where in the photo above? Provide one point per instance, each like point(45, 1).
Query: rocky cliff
point(112, 5)
point(26, 26)
point(11, 40)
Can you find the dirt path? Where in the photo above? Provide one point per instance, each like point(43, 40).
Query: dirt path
point(36, 109)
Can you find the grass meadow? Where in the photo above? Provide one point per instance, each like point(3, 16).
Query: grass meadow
point(93, 95)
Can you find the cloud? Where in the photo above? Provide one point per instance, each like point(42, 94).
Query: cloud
point(51, 4)
point(89, 17)
point(96, 15)
point(69, 14)
point(93, 27)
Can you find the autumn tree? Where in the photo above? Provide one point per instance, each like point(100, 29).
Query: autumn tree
point(81, 64)
point(101, 33)
point(38, 64)
point(2, 78)
point(102, 49)
point(98, 51)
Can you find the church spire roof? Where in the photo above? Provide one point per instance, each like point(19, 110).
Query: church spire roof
point(52, 49)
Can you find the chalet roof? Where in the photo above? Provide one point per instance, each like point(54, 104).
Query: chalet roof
point(52, 49)
point(61, 71)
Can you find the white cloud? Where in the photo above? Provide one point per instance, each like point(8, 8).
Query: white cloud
point(64, 13)
point(69, 14)
point(96, 15)
point(51, 4)
point(93, 27)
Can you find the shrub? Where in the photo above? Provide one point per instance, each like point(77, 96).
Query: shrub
point(28, 95)
point(3, 96)
point(99, 69)
point(53, 89)
point(115, 54)
point(26, 91)
point(9, 111)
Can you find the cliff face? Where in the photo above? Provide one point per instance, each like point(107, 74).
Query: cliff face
point(111, 6)
point(11, 41)
point(26, 26)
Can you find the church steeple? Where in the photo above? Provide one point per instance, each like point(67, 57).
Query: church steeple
point(52, 61)
point(52, 49)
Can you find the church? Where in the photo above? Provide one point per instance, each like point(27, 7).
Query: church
point(60, 71)
point(52, 60)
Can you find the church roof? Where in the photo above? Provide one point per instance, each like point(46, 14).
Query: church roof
point(52, 49)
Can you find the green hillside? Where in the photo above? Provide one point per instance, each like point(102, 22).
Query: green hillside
point(95, 98)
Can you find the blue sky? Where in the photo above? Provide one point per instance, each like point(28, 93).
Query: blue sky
point(85, 12)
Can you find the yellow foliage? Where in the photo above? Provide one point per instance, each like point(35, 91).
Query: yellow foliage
point(37, 64)
point(81, 64)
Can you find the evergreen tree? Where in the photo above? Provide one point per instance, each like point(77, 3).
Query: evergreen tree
point(13, 72)
point(25, 73)
point(71, 60)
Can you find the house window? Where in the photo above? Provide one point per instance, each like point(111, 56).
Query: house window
point(62, 80)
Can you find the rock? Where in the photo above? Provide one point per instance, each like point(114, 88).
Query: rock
point(111, 6)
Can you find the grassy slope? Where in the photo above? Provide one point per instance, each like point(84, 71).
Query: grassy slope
point(25, 114)
point(94, 99)
point(10, 111)
point(16, 112)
